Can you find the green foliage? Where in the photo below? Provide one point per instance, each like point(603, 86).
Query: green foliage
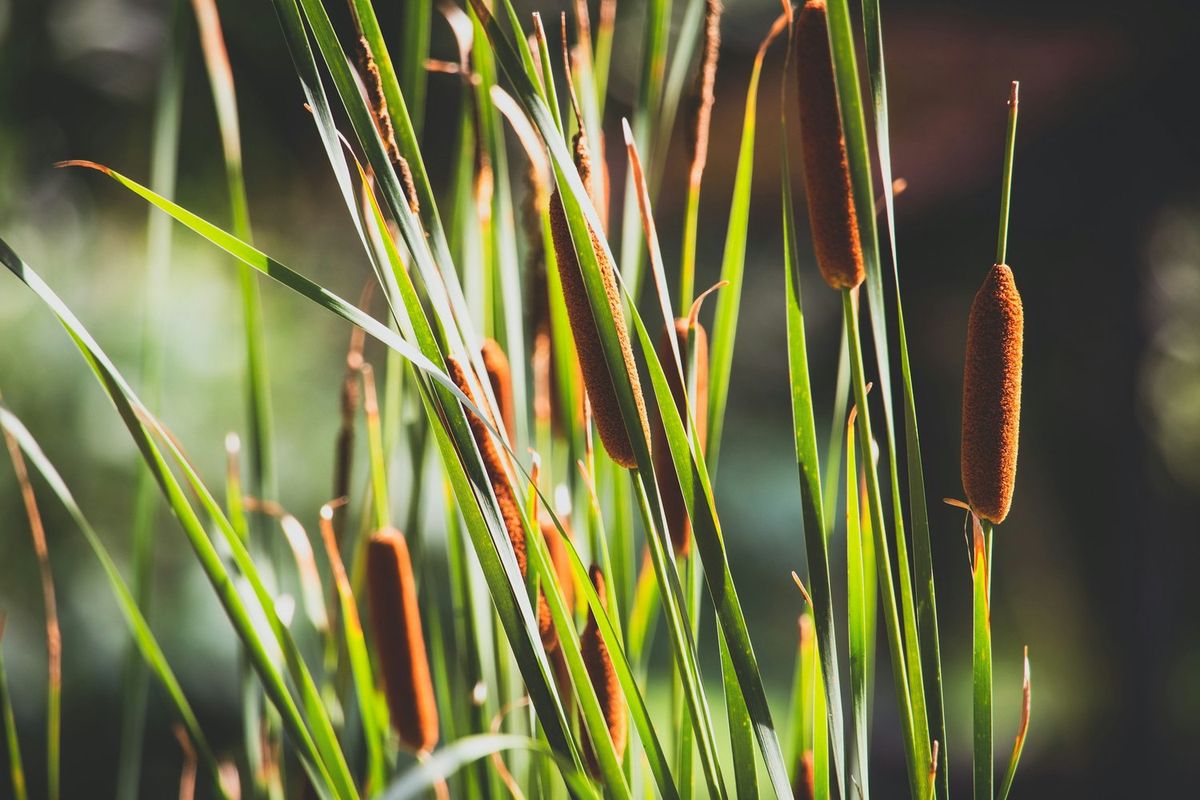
point(518, 711)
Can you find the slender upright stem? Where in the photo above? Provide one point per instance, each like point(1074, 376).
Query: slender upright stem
point(1010, 140)
point(917, 766)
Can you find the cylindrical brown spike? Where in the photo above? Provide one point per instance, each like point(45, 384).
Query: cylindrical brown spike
point(596, 376)
point(991, 415)
point(678, 524)
point(604, 678)
point(399, 640)
point(500, 377)
point(803, 787)
point(831, 211)
point(493, 463)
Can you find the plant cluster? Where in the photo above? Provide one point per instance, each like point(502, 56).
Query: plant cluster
point(567, 434)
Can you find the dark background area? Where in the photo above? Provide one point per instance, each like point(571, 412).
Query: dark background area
point(1094, 569)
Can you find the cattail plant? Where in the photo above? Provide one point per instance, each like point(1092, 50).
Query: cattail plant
point(399, 641)
point(831, 212)
point(499, 673)
point(603, 676)
point(991, 413)
point(674, 507)
point(601, 392)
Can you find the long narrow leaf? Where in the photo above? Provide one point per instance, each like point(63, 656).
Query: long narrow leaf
point(816, 532)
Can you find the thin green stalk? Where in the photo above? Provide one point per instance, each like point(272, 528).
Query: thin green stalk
point(928, 667)
point(1010, 145)
point(856, 580)
point(917, 766)
point(16, 768)
point(687, 260)
point(653, 69)
point(418, 14)
point(683, 643)
point(981, 662)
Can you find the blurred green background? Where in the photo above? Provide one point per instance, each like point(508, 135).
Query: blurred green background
point(1094, 566)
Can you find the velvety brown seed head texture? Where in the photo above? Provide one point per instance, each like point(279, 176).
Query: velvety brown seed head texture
point(831, 212)
point(500, 377)
point(493, 462)
point(604, 678)
point(678, 524)
point(596, 377)
point(804, 788)
point(991, 415)
point(399, 641)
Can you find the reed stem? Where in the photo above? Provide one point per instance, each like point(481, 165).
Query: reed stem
point(1010, 140)
point(917, 766)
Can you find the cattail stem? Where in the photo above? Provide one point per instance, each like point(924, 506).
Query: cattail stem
point(1010, 143)
point(917, 759)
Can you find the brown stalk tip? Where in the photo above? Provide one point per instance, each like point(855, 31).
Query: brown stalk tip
point(396, 623)
point(500, 377)
point(991, 413)
point(674, 507)
point(700, 112)
point(831, 211)
point(604, 678)
point(596, 377)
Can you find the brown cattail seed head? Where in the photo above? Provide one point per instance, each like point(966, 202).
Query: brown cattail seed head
point(500, 377)
point(669, 490)
point(804, 786)
point(493, 463)
point(596, 377)
point(396, 622)
point(604, 678)
point(991, 415)
point(831, 211)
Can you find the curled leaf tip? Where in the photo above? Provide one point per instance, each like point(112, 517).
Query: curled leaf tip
point(79, 162)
